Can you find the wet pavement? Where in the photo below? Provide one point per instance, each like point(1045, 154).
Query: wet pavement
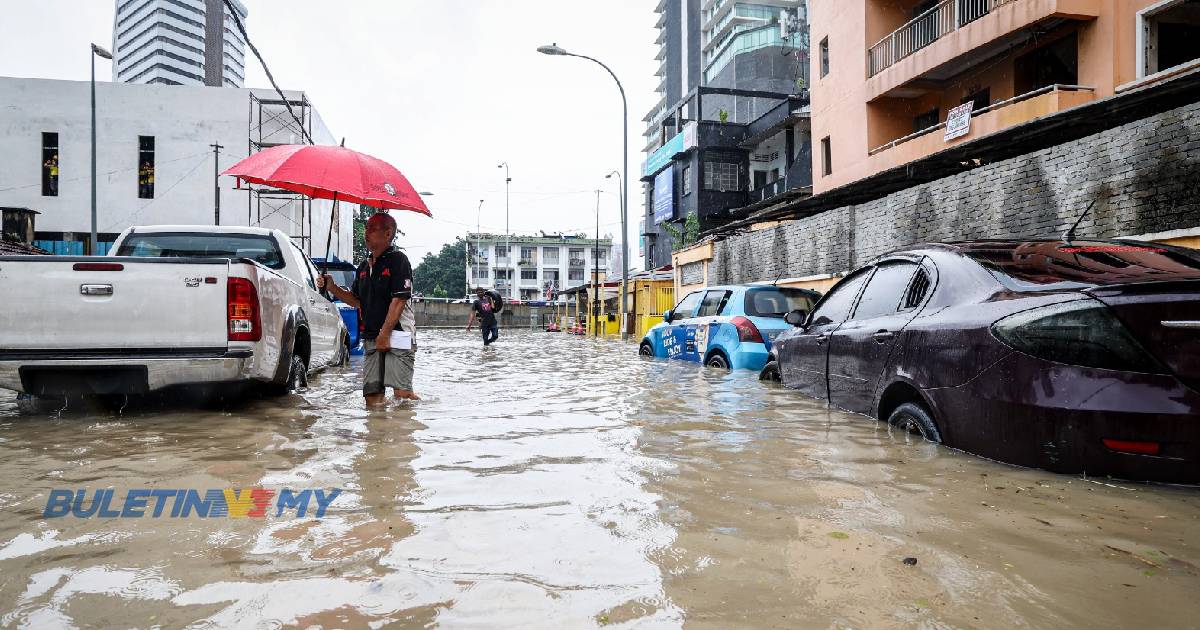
point(558, 482)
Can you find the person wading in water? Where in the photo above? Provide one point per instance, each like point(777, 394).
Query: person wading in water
point(383, 289)
point(485, 308)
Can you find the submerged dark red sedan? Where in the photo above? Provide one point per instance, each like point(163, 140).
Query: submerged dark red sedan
point(1072, 357)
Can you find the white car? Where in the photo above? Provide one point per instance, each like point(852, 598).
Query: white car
point(171, 305)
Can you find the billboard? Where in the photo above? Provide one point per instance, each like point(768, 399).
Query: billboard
point(664, 195)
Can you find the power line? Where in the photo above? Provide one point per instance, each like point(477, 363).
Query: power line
point(129, 218)
point(113, 172)
point(286, 103)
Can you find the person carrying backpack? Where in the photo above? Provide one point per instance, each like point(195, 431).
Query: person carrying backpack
point(486, 306)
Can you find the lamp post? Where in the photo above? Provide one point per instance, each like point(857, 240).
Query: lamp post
point(96, 51)
point(596, 272)
point(507, 234)
point(553, 49)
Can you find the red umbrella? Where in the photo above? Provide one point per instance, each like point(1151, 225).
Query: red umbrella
point(325, 172)
point(337, 173)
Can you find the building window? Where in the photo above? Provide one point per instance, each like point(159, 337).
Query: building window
point(1167, 35)
point(502, 251)
point(527, 253)
point(49, 164)
point(550, 255)
point(1053, 64)
point(575, 275)
point(687, 179)
point(924, 121)
point(826, 157)
point(979, 99)
point(145, 167)
point(576, 257)
point(721, 176)
point(529, 274)
point(825, 57)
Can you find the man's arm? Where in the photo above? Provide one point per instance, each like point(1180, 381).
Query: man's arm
point(327, 282)
point(384, 341)
point(472, 320)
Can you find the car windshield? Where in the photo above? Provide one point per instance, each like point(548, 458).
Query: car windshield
point(1053, 265)
point(777, 301)
point(259, 248)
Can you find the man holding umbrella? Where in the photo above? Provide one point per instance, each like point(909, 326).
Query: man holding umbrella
point(382, 289)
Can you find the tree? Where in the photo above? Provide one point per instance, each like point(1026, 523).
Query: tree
point(360, 228)
point(681, 238)
point(444, 272)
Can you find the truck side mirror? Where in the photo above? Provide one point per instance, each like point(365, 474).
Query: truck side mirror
point(796, 317)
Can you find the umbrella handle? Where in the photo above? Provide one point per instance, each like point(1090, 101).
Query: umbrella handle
point(329, 241)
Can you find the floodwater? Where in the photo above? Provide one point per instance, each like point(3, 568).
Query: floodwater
point(558, 482)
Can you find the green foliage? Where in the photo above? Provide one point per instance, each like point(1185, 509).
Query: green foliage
point(723, 115)
point(443, 272)
point(689, 234)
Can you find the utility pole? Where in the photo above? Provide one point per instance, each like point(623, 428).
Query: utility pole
point(596, 271)
point(216, 182)
point(507, 234)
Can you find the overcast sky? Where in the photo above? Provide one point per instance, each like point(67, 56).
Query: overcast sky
point(442, 89)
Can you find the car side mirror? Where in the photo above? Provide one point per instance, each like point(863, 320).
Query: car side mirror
point(796, 317)
point(667, 316)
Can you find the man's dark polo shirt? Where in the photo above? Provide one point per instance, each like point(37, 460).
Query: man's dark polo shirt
point(376, 285)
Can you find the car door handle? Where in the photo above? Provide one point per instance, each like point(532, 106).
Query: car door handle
point(883, 336)
point(821, 339)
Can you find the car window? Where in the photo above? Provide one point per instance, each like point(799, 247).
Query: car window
point(885, 290)
point(917, 290)
point(686, 306)
point(306, 270)
point(837, 303)
point(713, 302)
point(777, 301)
point(259, 248)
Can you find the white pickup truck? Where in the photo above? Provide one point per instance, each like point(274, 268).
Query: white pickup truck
point(171, 305)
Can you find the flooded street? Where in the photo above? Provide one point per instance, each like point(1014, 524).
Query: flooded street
point(557, 482)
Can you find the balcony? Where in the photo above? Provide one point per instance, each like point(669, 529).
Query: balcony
point(529, 282)
point(525, 262)
point(955, 35)
point(1014, 111)
point(576, 262)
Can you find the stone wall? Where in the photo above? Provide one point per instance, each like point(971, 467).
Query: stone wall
point(1143, 176)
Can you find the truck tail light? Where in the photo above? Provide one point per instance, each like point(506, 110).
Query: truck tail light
point(244, 321)
point(747, 331)
point(1130, 446)
point(97, 267)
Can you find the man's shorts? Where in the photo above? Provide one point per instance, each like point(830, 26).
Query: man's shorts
point(393, 369)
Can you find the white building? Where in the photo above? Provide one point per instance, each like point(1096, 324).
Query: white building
point(155, 162)
point(535, 267)
point(178, 42)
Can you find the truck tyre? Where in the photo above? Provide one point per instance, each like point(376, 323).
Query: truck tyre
point(297, 376)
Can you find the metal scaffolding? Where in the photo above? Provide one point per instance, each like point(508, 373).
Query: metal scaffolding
point(271, 125)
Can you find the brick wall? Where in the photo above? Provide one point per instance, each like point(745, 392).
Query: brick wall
point(1143, 176)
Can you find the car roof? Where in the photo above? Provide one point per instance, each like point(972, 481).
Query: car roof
point(219, 229)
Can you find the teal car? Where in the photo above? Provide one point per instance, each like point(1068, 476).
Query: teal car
point(728, 327)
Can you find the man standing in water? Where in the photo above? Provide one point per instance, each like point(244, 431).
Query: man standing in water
point(485, 308)
point(382, 290)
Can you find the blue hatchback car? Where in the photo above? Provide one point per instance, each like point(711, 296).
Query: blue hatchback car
point(729, 327)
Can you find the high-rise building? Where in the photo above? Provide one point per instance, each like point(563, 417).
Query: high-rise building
point(178, 42)
point(730, 129)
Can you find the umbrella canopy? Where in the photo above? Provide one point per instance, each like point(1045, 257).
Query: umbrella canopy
point(324, 172)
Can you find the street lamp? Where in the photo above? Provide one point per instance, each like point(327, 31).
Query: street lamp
point(553, 49)
point(96, 51)
point(507, 234)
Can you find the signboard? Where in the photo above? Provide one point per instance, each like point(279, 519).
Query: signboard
point(681, 142)
point(958, 121)
point(641, 238)
point(664, 195)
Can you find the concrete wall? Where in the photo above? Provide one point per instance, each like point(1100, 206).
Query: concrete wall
point(184, 121)
point(1144, 177)
point(446, 314)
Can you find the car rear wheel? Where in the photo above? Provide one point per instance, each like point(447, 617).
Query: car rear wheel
point(717, 360)
point(915, 419)
point(770, 372)
point(645, 350)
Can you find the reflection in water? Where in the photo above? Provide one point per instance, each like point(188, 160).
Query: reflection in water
point(552, 481)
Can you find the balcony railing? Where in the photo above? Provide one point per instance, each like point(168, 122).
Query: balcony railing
point(576, 262)
point(770, 190)
point(1049, 89)
point(527, 261)
point(947, 17)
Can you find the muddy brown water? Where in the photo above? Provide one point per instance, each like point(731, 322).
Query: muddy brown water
point(558, 482)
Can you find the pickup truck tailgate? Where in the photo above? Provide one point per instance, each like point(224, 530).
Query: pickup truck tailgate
point(77, 303)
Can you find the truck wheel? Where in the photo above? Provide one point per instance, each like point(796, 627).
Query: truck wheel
point(297, 376)
point(32, 405)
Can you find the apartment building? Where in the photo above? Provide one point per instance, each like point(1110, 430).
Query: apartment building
point(894, 81)
point(179, 42)
point(535, 267)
